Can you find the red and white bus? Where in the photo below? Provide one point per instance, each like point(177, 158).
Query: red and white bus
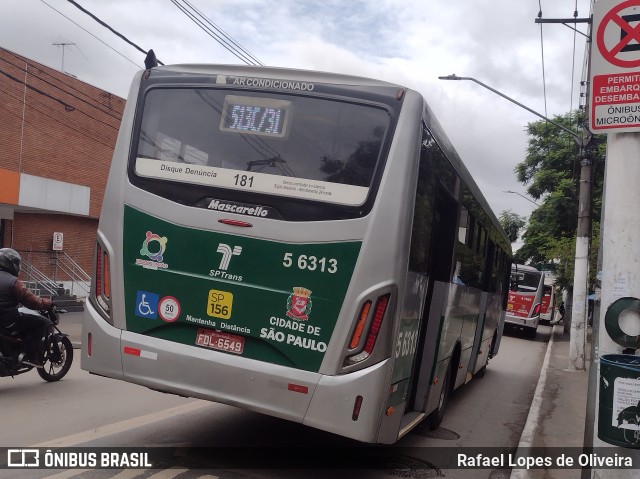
point(548, 305)
point(525, 298)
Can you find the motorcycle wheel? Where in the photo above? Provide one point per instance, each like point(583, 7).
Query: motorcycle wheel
point(56, 370)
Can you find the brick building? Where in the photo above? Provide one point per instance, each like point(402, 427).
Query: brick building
point(57, 136)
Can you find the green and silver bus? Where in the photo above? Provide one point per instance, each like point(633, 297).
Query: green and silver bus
point(305, 245)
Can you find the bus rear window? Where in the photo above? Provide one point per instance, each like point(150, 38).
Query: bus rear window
point(267, 143)
point(527, 282)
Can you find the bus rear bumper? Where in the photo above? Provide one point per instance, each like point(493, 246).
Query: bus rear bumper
point(316, 400)
point(546, 318)
point(525, 323)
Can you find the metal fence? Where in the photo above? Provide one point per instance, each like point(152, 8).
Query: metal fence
point(54, 273)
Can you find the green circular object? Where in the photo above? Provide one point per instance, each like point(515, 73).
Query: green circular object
point(612, 322)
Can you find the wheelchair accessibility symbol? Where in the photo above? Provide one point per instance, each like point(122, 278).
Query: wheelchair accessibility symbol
point(147, 305)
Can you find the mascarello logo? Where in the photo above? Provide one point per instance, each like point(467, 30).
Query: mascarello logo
point(153, 247)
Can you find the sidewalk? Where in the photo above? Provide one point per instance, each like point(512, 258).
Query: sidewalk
point(564, 397)
point(557, 414)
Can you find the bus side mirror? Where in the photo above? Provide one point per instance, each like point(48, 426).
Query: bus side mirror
point(513, 286)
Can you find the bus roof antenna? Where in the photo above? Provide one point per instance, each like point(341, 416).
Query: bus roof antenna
point(150, 60)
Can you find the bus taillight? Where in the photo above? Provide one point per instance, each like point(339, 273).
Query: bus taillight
point(106, 276)
point(103, 281)
point(372, 334)
point(381, 307)
point(536, 309)
point(357, 334)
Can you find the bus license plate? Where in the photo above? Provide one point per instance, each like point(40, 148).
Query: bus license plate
point(220, 341)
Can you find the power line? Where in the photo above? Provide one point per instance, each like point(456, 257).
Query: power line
point(67, 106)
point(216, 33)
point(573, 61)
point(108, 27)
point(87, 31)
point(27, 122)
point(544, 79)
point(575, 20)
point(101, 110)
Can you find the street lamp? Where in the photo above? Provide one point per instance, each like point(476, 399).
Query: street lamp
point(581, 269)
point(575, 136)
point(525, 197)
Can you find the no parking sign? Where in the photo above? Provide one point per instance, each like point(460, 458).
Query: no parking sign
point(58, 241)
point(615, 67)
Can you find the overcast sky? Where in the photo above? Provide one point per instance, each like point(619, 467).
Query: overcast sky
point(410, 42)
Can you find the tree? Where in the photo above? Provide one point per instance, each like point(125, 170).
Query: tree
point(512, 223)
point(551, 170)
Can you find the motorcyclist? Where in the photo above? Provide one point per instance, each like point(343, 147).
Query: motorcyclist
point(12, 293)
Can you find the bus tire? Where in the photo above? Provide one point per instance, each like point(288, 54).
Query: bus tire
point(482, 371)
point(436, 417)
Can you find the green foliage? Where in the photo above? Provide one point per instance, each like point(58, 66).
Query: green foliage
point(551, 170)
point(512, 223)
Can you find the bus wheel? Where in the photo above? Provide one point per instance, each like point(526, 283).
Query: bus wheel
point(481, 372)
point(436, 417)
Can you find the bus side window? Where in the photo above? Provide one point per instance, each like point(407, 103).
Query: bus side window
point(423, 209)
point(463, 225)
point(471, 232)
point(481, 240)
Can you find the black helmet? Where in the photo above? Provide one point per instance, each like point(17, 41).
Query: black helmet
point(10, 261)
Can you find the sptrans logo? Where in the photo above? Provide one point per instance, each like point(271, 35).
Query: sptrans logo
point(153, 247)
point(227, 253)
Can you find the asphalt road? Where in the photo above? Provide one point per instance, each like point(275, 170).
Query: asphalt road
point(84, 410)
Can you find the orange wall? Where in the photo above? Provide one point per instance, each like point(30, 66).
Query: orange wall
point(9, 186)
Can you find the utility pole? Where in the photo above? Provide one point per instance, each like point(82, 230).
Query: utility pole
point(578, 328)
point(63, 45)
point(615, 59)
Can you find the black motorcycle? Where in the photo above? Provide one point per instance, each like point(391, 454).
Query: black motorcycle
point(56, 353)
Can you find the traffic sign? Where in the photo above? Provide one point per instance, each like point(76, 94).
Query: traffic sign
point(58, 241)
point(615, 67)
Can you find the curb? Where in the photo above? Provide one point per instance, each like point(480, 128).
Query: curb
point(533, 418)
